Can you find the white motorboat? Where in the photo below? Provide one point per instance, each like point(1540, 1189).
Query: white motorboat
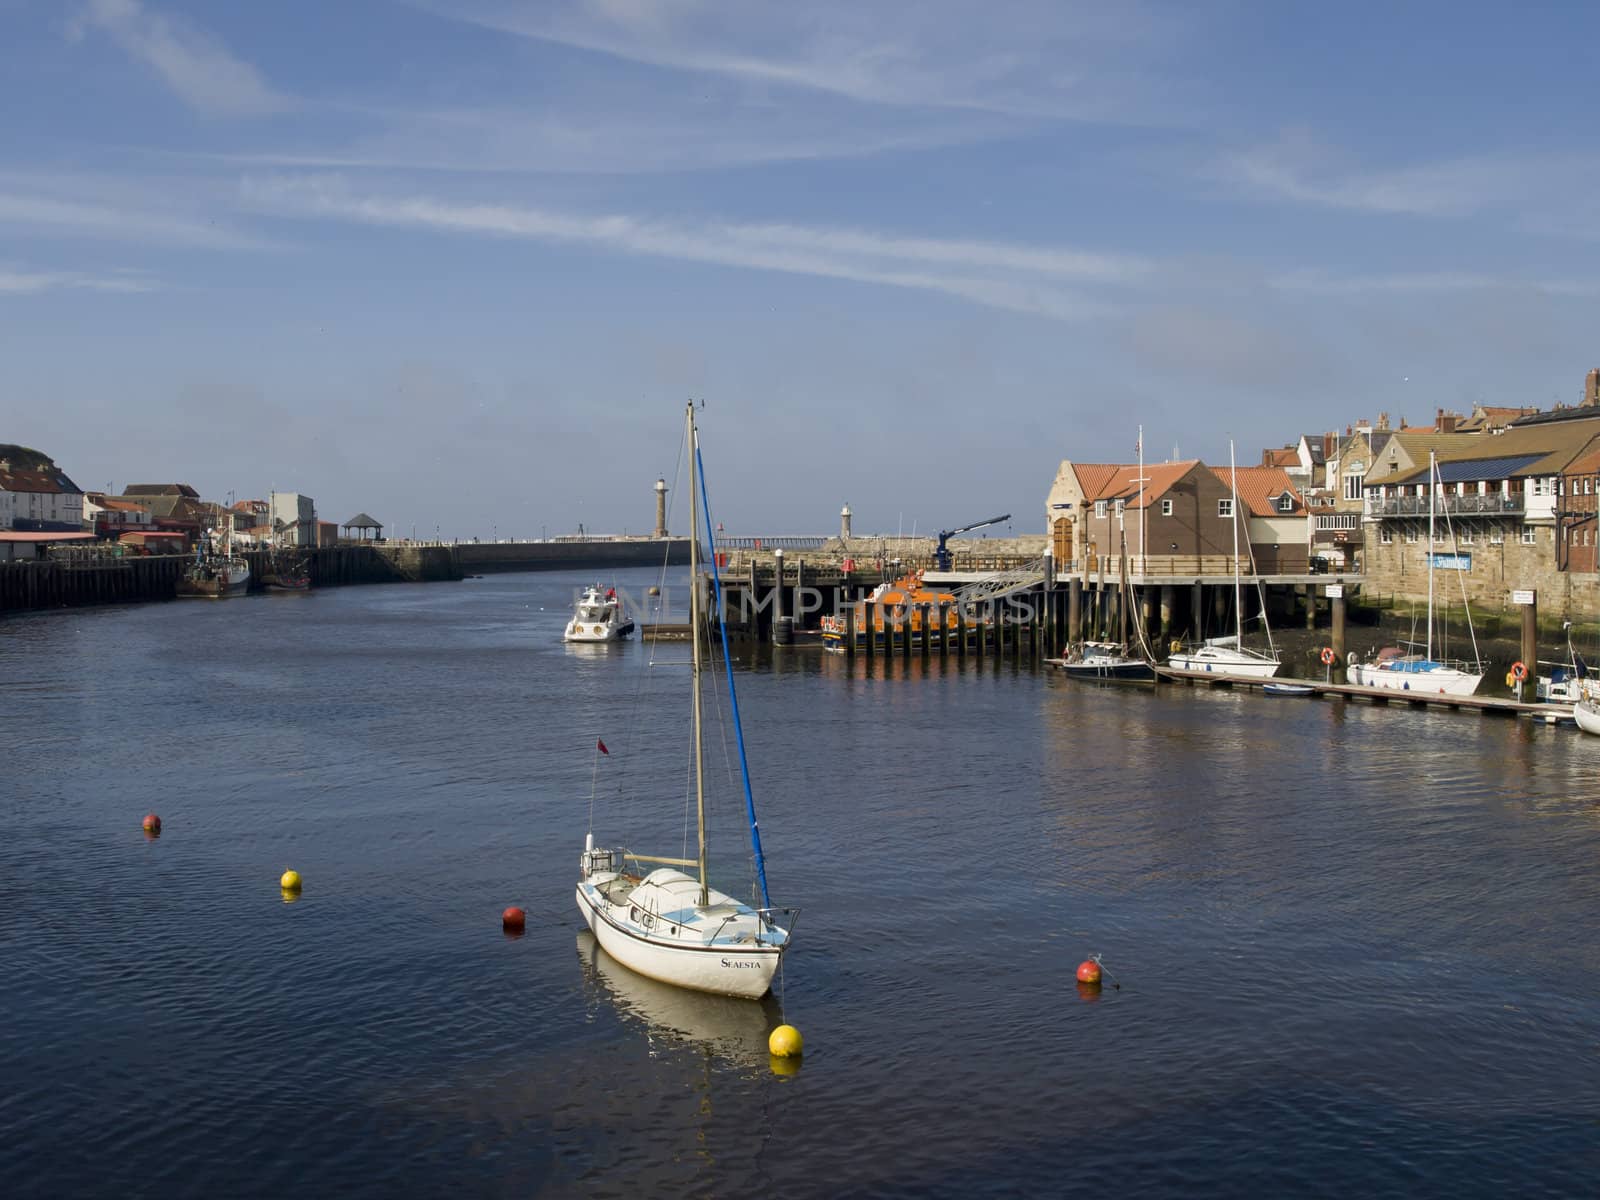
point(598, 616)
point(668, 924)
point(1395, 671)
point(1229, 655)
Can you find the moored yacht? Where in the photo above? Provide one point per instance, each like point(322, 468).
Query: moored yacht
point(598, 617)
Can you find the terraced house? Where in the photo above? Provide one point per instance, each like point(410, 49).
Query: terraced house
point(36, 495)
point(1507, 511)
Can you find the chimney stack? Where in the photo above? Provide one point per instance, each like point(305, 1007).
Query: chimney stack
point(1591, 388)
point(1444, 422)
point(661, 508)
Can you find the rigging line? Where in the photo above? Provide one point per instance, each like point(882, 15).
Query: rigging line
point(733, 697)
point(648, 645)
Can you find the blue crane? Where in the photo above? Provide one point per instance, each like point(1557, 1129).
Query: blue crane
point(941, 556)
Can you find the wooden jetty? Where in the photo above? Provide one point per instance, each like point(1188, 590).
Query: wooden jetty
point(1320, 689)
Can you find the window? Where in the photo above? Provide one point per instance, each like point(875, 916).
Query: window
point(1122, 506)
point(1166, 508)
point(1530, 537)
point(1386, 536)
point(1225, 507)
point(1497, 536)
point(1099, 508)
point(1468, 537)
point(1352, 486)
point(1286, 503)
point(1411, 535)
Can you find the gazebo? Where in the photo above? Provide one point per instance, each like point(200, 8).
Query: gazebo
point(366, 528)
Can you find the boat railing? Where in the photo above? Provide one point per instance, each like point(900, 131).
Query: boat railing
point(767, 920)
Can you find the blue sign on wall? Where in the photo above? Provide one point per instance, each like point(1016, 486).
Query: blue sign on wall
point(1453, 562)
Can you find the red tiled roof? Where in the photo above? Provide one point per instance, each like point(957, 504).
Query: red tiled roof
point(1259, 489)
point(1287, 457)
point(52, 481)
point(1118, 481)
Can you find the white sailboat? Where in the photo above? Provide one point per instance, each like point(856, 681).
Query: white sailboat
point(668, 924)
point(1229, 655)
point(1422, 672)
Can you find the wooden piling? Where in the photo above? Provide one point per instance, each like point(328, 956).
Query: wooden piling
point(1530, 640)
point(867, 609)
point(849, 630)
point(1337, 638)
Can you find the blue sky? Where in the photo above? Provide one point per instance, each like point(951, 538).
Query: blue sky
point(459, 262)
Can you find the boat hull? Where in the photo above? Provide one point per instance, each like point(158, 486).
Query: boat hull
point(745, 971)
point(1224, 662)
point(1287, 689)
point(231, 581)
point(1587, 716)
point(601, 632)
point(1125, 672)
point(1439, 681)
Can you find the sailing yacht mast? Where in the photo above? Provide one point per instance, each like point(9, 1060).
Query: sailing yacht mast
point(694, 671)
point(1433, 467)
point(1238, 607)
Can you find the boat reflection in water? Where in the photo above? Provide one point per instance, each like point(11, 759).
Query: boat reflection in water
point(731, 1028)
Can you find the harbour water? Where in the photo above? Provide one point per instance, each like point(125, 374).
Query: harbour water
point(1355, 946)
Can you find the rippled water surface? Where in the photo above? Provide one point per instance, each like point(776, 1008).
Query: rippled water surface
point(1357, 946)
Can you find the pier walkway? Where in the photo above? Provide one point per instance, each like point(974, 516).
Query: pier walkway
point(1488, 705)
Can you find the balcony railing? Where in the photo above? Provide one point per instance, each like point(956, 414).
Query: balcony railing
point(1455, 506)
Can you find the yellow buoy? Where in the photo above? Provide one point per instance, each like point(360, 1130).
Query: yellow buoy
point(290, 881)
point(785, 1042)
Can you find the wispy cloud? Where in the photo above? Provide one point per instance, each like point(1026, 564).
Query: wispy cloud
point(1043, 281)
point(194, 64)
point(1324, 283)
point(1046, 58)
point(22, 281)
point(39, 210)
point(1299, 169)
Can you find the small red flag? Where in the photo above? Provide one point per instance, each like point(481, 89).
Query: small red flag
point(602, 746)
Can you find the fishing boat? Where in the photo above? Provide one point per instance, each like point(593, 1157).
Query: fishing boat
point(216, 572)
point(1106, 661)
point(669, 924)
point(598, 617)
point(285, 572)
point(1229, 655)
point(1398, 671)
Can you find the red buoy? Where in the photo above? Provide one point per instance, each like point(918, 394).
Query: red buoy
point(1089, 971)
point(513, 918)
point(152, 823)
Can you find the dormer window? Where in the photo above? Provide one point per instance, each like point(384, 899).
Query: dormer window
point(1286, 503)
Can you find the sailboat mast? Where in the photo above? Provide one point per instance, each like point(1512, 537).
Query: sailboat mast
point(1142, 567)
point(1238, 607)
point(695, 656)
point(1433, 467)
